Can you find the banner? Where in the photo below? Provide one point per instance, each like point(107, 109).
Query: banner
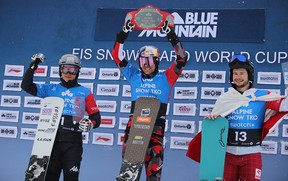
point(201, 25)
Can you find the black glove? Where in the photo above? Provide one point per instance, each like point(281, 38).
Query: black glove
point(123, 34)
point(128, 27)
point(36, 60)
point(166, 28)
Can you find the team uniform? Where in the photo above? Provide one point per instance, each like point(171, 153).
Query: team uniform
point(245, 136)
point(252, 114)
point(157, 85)
point(78, 100)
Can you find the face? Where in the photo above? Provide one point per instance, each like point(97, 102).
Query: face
point(69, 72)
point(240, 79)
point(147, 64)
point(148, 69)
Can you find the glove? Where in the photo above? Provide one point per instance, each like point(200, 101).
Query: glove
point(36, 60)
point(165, 28)
point(128, 27)
point(123, 34)
point(85, 125)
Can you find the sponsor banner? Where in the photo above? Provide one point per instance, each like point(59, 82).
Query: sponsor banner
point(285, 77)
point(10, 101)
point(185, 93)
point(203, 25)
point(274, 132)
point(109, 74)
point(28, 133)
point(125, 106)
point(206, 109)
point(14, 70)
point(33, 102)
point(211, 92)
point(9, 116)
point(120, 138)
point(107, 122)
point(284, 148)
point(41, 71)
point(285, 130)
point(103, 139)
point(108, 89)
point(179, 126)
point(38, 82)
point(87, 85)
point(214, 76)
point(123, 123)
point(180, 143)
point(168, 108)
point(126, 91)
point(166, 125)
point(30, 118)
point(272, 78)
point(184, 109)
point(54, 82)
point(85, 137)
point(200, 126)
point(12, 85)
point(107, 106)
point(8, 131)
point(189, 76)
point(269, 147)
point(54, 72)
point(87, 73)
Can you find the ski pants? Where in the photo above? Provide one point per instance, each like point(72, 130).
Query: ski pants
point(65, 156)
point(155, 152)
point(243, 167)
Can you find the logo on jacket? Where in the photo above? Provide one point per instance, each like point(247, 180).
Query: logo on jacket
point(67, 93)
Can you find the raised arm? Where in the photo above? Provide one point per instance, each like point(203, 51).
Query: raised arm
point(117, 54)
point(177, 46)
point(27, 82)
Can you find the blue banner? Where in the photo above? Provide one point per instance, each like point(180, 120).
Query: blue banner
point(202, 25)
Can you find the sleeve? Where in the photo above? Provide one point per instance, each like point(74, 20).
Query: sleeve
point(27, 83)
point(93, 110)
point(181, 59)
point(117, 53)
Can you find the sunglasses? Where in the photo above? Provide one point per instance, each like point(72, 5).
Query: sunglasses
point(146, 61)
point(65, 69)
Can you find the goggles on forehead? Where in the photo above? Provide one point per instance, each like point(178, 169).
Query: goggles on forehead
point(239, 57)
point(146, 61)
point(72, 69)
point(240, 60)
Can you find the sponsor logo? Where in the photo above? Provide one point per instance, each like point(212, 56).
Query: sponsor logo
point(44, 139)
point(46, 111)
point(74, 169)
point(67, 93)
point(145, 112)
point(257, 173)
point(143, 119)
point(102, 138)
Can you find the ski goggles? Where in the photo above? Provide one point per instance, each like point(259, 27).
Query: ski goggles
point(239, 57)
point(71, 69)
point(146, 61)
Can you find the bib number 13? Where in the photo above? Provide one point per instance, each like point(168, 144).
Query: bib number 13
point(240, 136)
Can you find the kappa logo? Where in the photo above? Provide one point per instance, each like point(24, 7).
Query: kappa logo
point(74, 169)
